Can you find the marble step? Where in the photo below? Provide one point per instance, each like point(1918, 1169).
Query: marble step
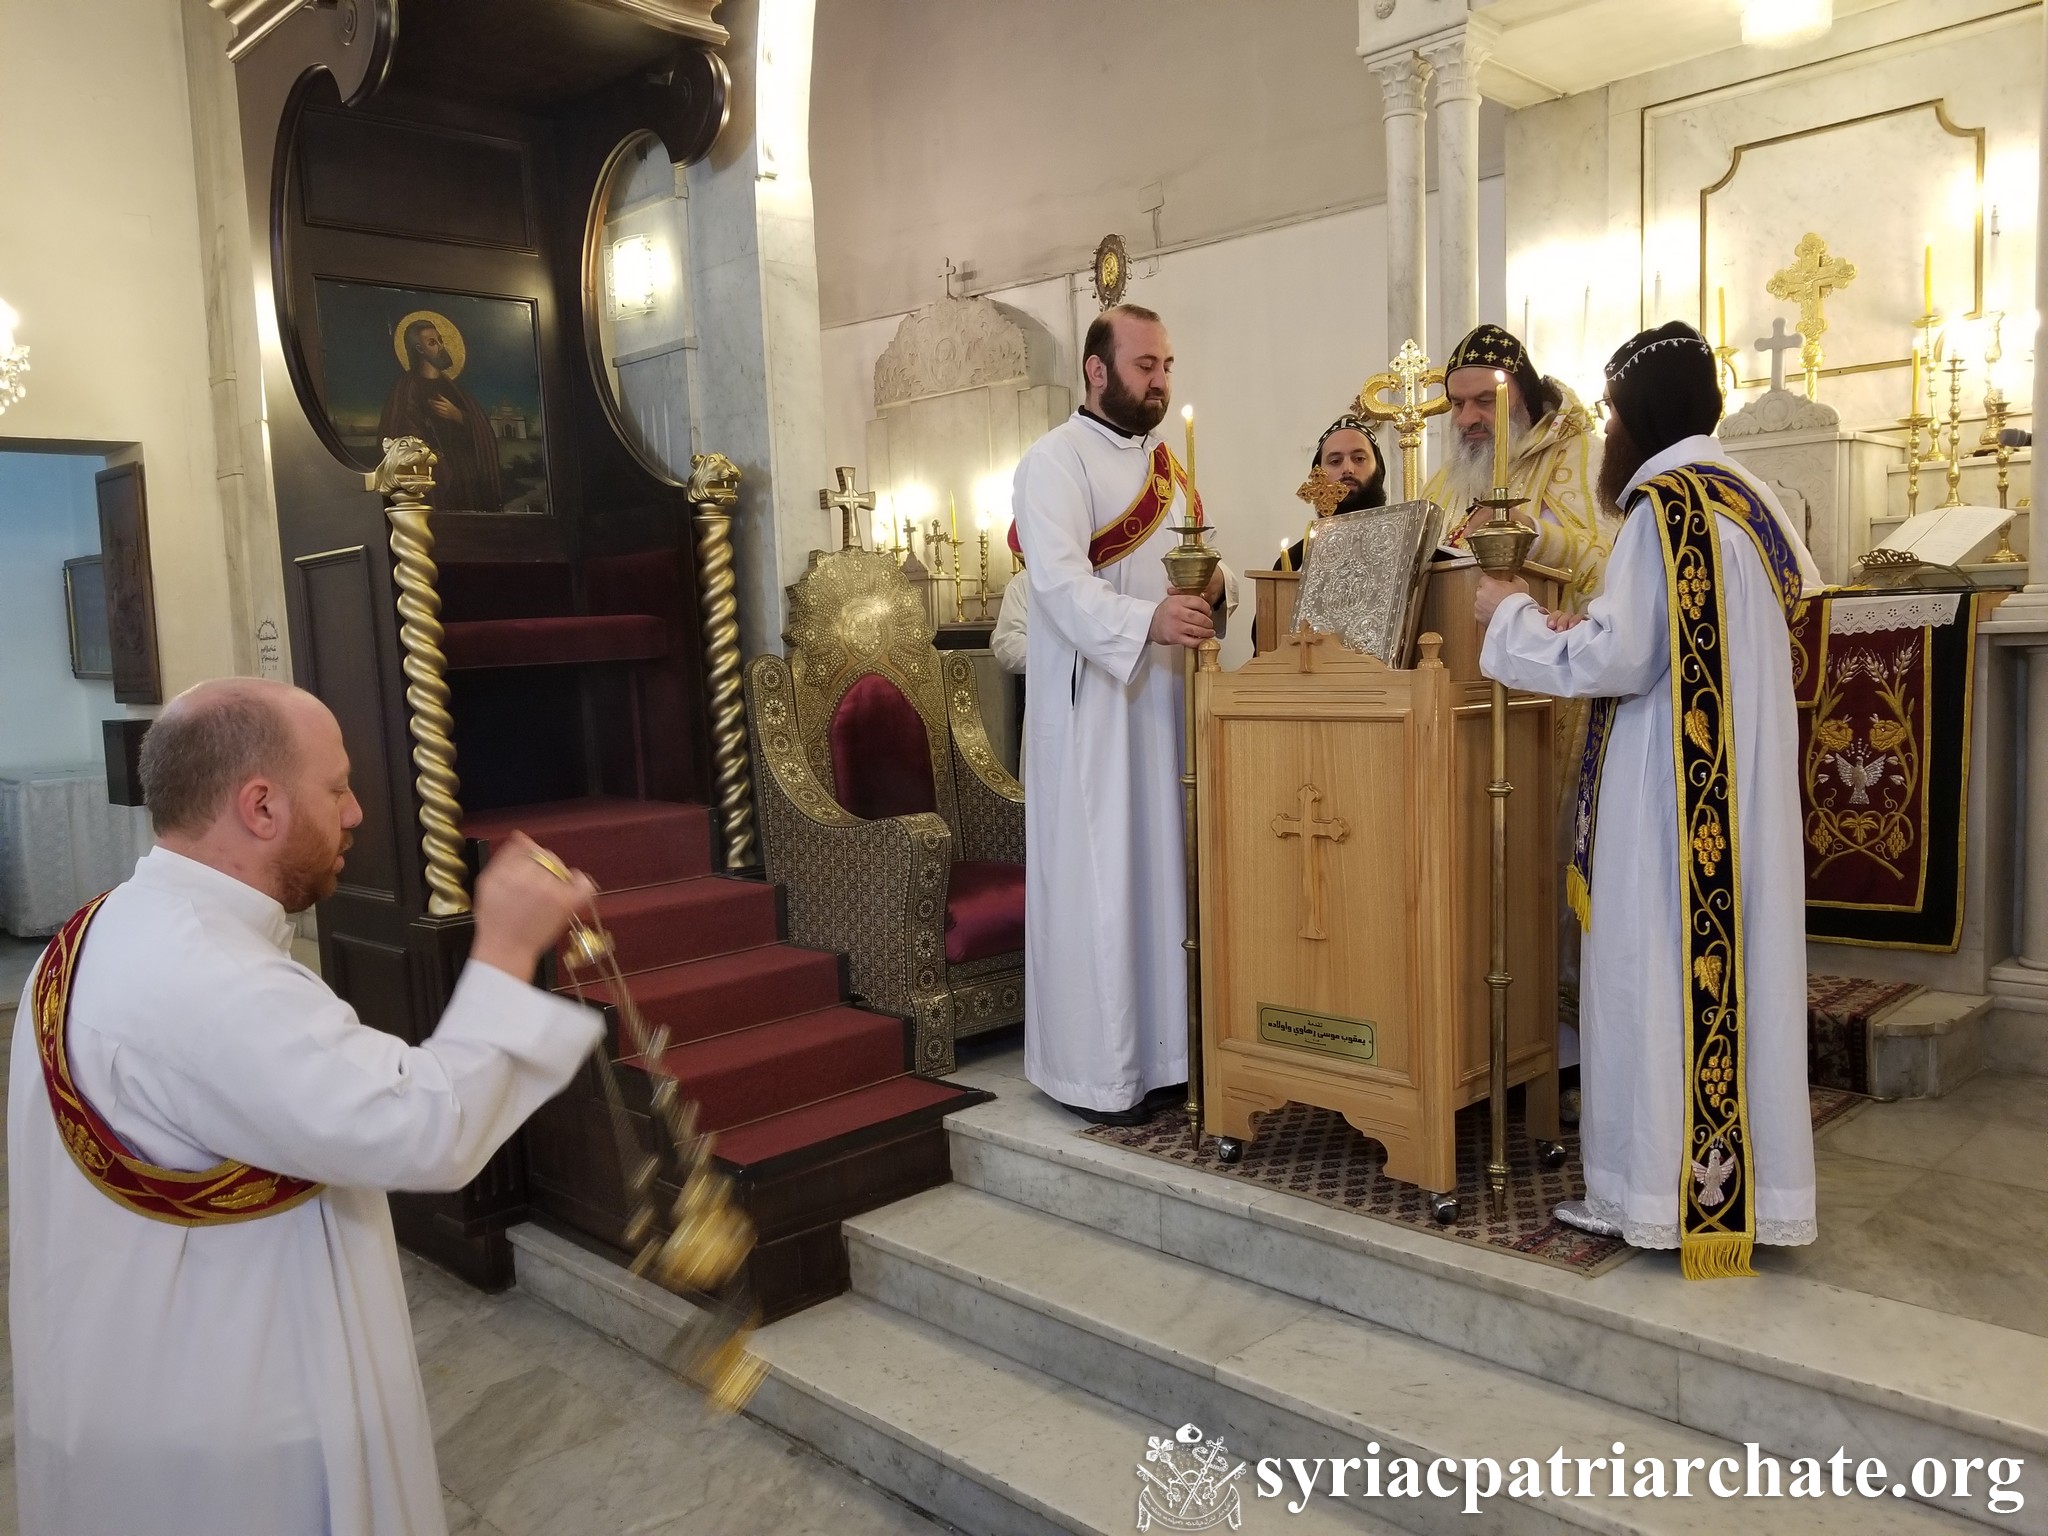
point(1802, 1367)
point(975, 1438)
point(1279, 1377)
point(1928, 1045)
point(978, 1440)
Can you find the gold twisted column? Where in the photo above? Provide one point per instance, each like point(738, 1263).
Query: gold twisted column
point(403, 480)
point(714, 490)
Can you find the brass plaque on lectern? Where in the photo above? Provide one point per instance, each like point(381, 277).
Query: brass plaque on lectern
point(1317, 1032)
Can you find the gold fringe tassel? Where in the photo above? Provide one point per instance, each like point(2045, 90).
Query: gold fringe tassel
point(1723, 1256)
point(1578, 897)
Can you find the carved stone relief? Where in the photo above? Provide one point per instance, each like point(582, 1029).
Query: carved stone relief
point(1780, 410)
point(957, 344)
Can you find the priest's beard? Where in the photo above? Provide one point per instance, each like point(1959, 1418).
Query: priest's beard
point(1123, 407)
point(1468, 473)
point(308, 865)
point(1620, 458)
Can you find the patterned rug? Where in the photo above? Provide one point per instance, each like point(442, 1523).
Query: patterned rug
point(1314, 1153)
point(1839, 1013)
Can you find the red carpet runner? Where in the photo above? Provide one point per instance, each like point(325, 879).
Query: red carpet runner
point(816, 1111)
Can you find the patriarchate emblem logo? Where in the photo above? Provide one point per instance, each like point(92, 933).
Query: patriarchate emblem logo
point(1195, 1486)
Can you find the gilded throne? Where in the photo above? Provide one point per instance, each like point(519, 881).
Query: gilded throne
point(884, 814)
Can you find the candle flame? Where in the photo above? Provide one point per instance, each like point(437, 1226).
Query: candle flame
point(1187, 413)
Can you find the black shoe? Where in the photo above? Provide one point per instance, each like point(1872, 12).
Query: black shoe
point(1162, 1098)
point(1137, 1114)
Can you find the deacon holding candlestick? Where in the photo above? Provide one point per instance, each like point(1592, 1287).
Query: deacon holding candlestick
point(1695, 1128)
point(1105, 990)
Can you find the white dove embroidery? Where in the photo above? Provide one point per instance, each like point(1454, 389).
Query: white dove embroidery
point(1713, 1175)
point(1860, 777)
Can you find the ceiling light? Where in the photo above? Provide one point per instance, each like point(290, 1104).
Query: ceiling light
point(1781, 23)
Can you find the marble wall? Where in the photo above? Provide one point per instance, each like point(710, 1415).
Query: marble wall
point(1273, 333)
point(1615, 194)
point(130, 344)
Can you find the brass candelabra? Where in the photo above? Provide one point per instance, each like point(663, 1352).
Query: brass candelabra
point(1189, 567)
point(1501, 546)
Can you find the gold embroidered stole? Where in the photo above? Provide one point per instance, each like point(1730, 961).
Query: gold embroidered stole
point(1137, 522)
point(1717, 1206)
point(223, 1193)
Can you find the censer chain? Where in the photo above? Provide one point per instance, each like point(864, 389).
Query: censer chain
point(709, 1237)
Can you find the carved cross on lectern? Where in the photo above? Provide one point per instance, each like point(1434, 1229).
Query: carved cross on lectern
point(1309, 830)
point(848, 501)
point(1778, 343)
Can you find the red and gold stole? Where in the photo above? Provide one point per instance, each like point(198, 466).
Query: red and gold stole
point(223, 1193)
point(1137, 522)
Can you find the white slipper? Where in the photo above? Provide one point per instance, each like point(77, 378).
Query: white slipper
point(1578, 1215)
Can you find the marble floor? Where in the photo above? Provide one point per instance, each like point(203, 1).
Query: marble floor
point(1939, 1203)
point(541, 1426)
point(1942, 1203)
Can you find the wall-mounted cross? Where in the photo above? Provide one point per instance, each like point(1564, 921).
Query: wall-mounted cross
point(1310, 830)
point(946, 275)
point(1778, 343)
point(848, 501)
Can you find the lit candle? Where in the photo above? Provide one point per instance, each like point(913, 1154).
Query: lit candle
point(1721, 303)
point(1927, 280)
point(1187, 416)
point(1286, 553)
point(1913, 405)
point(1501, 412)
point(953, 511)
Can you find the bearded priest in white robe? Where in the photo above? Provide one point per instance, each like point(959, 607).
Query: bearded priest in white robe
point(1695, 1128)
point(1105, 981)
point(228, 1352)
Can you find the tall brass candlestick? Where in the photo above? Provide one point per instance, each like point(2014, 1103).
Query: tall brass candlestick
point(1955, 433)
point(981, 584)
point(1500, 547)
point(1189, 567)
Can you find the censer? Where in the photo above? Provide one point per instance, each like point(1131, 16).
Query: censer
point(709, 1236)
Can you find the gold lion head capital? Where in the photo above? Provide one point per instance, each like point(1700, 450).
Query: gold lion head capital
point(714, 480)
point(407, 465)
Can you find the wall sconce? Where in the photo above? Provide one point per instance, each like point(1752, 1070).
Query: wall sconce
point(13, 359)
point(636, 276)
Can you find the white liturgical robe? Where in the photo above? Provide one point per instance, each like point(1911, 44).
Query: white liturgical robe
point(254, 1378)
point(1631, 1007)
point(1105, 987)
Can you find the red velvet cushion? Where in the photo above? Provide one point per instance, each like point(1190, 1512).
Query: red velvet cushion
point(555, 642)
point(984, 910)
point(881, 762)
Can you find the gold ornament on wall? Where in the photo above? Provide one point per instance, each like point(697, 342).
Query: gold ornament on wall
point(1112, 271)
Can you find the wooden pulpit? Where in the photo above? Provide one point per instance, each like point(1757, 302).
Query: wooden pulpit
point(1344, 835)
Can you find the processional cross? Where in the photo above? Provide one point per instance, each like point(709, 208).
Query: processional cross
point(1411, 375)
point(848, 501)
point(1813, 275)
point(1778, 343)
point(1309, 829)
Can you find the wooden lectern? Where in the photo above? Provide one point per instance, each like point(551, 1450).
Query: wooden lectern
point(1344, 824)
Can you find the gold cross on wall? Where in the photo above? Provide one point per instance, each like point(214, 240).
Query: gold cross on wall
point(1813, 275)
point(1309, 830)
point(848, 501)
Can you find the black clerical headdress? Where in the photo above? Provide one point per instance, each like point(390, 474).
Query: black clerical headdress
point(1488, 346)
point(1376, 487)
point(1665, 385)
